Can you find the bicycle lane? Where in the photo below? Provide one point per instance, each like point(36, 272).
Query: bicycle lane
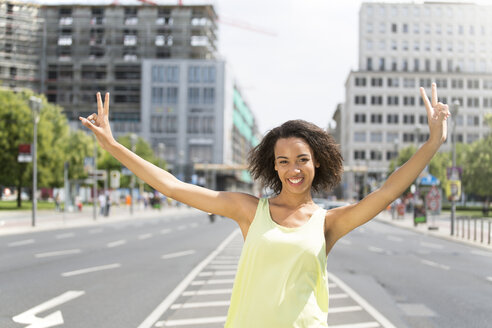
point(202, 298)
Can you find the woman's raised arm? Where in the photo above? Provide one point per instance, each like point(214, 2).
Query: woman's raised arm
point(237, 206)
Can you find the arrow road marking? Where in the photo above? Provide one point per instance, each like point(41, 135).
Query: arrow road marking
point(54, 319)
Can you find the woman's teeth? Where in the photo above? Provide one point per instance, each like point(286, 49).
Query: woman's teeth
point(295, 181)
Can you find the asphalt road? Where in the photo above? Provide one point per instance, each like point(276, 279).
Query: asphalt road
point(121, 274)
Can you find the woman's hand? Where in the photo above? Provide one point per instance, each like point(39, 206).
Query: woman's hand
point(99, 123)
point(437, 113)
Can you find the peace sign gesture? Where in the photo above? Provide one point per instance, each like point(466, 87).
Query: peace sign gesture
point(99, 123)
point(437, 113)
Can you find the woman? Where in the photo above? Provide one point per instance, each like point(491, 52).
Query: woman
point(281, 278)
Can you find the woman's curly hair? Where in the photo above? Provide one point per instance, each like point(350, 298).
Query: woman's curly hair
point(326, 152)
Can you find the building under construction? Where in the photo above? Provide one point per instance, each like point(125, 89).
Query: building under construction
point(100, 47)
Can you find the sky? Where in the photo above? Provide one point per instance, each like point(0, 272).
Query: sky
point(300, 72)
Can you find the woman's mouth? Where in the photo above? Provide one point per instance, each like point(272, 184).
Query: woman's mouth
point(295, 181)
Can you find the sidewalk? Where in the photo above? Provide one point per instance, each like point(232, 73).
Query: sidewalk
point(443, 225)
point(16, 222)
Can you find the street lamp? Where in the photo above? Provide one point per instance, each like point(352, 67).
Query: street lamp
point(133, 140)
point(35, 104)
point(454, 113)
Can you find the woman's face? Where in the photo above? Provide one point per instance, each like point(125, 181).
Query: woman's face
point(295, 164)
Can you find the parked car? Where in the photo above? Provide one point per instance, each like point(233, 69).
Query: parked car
point(329, 204)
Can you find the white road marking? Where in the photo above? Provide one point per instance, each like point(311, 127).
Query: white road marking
point(89, 270)
point(393, 238)
point(177, 254)
point(431, 245)
point(482, 253)
point(435, 264)
point(208, 292)
point(489, 279)
point(65, 235)
point(182, 227)
point(345, 242)
point(194, 321)
point(145, 236)
point(362, 302)
point(222, 267)
point(338, 296)
point(21, 243)
point(376, 249)
point(164, 231)
point(98, 230)
point(199, 304)
point(224, 262)
point(54, 319)
point(212, 282)
point(331, 285)
point(370, 324)
point(169, 300)
point(58, 253)
point(116, 243)
point(342, 309)
point(217, 273)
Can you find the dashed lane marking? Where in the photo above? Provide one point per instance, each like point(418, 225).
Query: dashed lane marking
point(21, 243)
point(393, 238)
point(489, 279)
point(342, 309)
point(345, 242)
point(217, 273)
point(58, 253)
point(65, 235)
point(338, 296)
point(177, 254)
point(435, 264)
point(376, 249)
point(90, 270)
point(165, 231)
point(226, 291)
point(145, 236)
point(116, 243)
point(97, 230)
point(212, 282)
point(194, 321)
point(199, 305)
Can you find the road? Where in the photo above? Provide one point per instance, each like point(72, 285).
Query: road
point(177, 270)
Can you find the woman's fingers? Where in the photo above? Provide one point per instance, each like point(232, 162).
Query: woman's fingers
point(100, 110)
point(87, 123)
point(434, 95)
point(106, 104)
point(427, 104)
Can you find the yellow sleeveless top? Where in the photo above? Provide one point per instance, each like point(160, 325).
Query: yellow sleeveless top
point(281, 280)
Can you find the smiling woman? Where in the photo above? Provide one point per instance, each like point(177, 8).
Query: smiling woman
point(281, 279)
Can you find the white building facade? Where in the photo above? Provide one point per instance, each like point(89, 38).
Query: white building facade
point(402, 47)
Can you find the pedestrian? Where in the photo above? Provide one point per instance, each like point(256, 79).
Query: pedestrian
point(102, 204)
point(57, 202)
point(108, 203)
point(281, 279)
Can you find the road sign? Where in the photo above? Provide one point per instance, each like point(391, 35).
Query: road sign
point(114, 179)
point(433, 199)
point(24, 158)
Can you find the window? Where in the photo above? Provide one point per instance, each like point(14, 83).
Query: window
point(376, 137)
point(359, 136)
point(369, 28)
point(416, 28)
point(472, 137)
point(171, 124)
point(359, 154)
point(404, 45)
point(209, 96)
point(426, 83)
point(391, 154)
point(408, 119)
point(204, 153)
point(487, 84)
point(369, 44)
point(408, 101)
point(394, 28)
point(382, 27)
point(393, 82)
point(392, 100)
point(369, 64)
point(360, 118)
point(394, 64)
point(472, 102)
point(423, 119)
point(376, 100)
point(487, 102)
point(376, 155)
point(172, 74)
point(377, 82)
point(381, 64)
point(438, 65)
point(130, 40)
point(442, 83)
point(172, 95)
point(405, 28)
point(416, 46)
point(472, 84)
point(408, 82)
point(392, 137)
point(157, 74)
point(458, 99)
point(208, 124)
point(193, 74)
point(392, 118)
point(472, 120)
point(360, 81)
point(427, 28)
point(376, 118)
point(394, 45)
point(456, 84)
point(408, 137)
point(404, 65)
point(208, 74)
point(193, 95)
point(193, 124)
point(360, 100)
point(157, 95)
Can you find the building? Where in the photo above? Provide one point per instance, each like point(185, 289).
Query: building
point(100, 47)
point(402, 47)
point(21, 44)
point(194, 112)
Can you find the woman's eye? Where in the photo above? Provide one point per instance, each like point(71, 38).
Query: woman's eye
point(305, 159)
point(283, 162)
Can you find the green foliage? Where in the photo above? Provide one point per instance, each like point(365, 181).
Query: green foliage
point(477, 170)
point(78, 146)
